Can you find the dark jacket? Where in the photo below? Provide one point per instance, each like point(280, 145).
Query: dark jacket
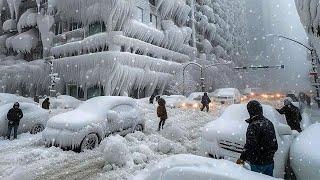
point(205, 100)
point(14, 116)
point(161, 110)
point(293, 116)
point(46, 104)
point(152, 98)
point(261, 142)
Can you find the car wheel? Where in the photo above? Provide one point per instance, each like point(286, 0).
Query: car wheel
point(89, 142)
point(37, 128)
point(138, 127)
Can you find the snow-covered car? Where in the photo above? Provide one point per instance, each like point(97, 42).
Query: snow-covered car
point(225, 137)
point(192, 102)
point(34, 118)
point(173, 100)
point(96, 118)
point(190, 167)
point(226, 95)
point(64, 102)
point(6, 98)
point(304, 153)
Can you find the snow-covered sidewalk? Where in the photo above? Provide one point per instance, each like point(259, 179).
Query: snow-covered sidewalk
point(28, 158)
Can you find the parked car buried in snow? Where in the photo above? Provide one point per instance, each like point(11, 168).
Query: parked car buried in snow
point(227, 95)
point(304, 153)
point(173, 100)
point(190, 167)
point(6, 98)
point(96, 118)
point(34, 118)
point(225, 137)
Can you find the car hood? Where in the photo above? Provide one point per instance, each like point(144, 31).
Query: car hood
point(73, 120)
point(222, 129)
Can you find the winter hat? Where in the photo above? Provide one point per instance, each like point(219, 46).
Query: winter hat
point(287, 101)
point(254, 108)
point(161, 102)
point(16, 104)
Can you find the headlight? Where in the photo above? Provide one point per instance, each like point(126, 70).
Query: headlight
point(183, 105)
point(195, 105)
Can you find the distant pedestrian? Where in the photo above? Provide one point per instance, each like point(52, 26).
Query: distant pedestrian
point(152, 98)
point(14, 116)
point(261, 142)
point(162, 113)
point(46, 104)
point(36, 99)
point(205, 101)
point(292, 113)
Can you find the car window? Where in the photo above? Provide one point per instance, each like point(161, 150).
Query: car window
point(122, 108)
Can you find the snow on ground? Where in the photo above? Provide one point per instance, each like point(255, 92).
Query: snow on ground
point(28, 158)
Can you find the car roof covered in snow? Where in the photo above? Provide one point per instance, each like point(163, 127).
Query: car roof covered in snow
point(239, 112)
point(184, 166)
point(11, 98)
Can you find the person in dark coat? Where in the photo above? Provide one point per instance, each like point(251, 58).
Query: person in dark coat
point(14, 116)
point(261, 142)
point(292, 113)
point(36, 99)
point(46, 104)
point(152, 98)
point(162, 113)
point(205, 101)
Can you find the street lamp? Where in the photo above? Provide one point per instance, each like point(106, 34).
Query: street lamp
point(202, 69)
point(315, 59)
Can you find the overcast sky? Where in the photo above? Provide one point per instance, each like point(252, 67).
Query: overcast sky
point(278, 17)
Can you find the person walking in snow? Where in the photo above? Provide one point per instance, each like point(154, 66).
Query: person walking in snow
point(292, 113)
point(162, 113)
point(261, 142)
point(152, 98)
point(46, 104)
point(205, 101)
point(14, 116)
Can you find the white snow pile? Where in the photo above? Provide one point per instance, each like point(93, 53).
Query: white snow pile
point(64, 102)
point(174, 132)
point(116, 151)
point(190, 167)
point(304, 153)
point(6, 98)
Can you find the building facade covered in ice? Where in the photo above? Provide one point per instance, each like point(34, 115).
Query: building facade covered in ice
point(117, 47)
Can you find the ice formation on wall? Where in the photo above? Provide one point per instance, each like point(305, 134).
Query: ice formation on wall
point(23, 42)
point(114, 13)
point(27, 19)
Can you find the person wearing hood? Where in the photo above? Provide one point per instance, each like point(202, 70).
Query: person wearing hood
point(162, 113)
point(14, 116)
point(261, 142)
point(46, 104)
point(292, 113)
point(205, 101)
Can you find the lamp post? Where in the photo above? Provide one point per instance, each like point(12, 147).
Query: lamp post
point(315, 60)
point(202, 69)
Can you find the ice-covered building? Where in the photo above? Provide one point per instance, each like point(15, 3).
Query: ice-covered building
point(117, 47)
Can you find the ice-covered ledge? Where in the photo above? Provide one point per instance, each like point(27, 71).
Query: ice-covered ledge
point(115, 41)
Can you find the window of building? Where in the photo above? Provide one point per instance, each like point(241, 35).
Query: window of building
point(74, 26)
point(154, 20)
point(58, 28)
point(139, 14)
point(96, 28)
point(94, 91)
point(152, 2)
point(72, 90)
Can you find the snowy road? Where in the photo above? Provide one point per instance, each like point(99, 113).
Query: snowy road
point(28, 158)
